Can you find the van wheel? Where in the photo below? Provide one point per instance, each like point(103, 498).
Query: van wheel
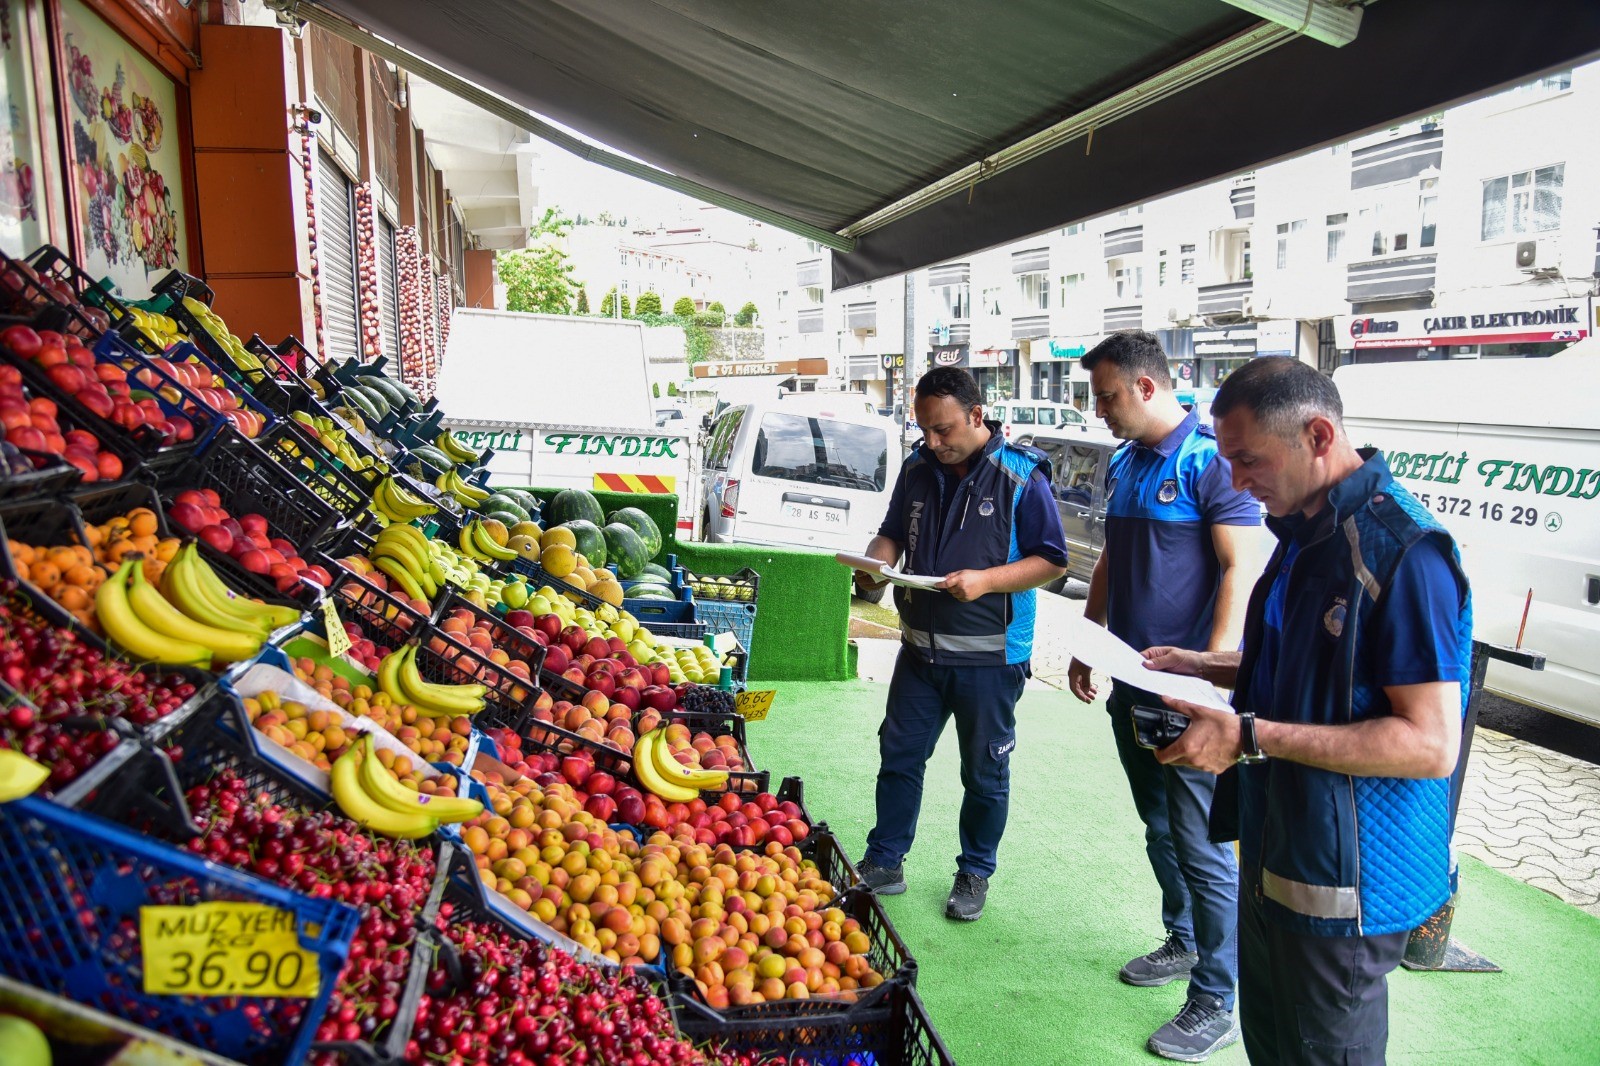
point(873, 596)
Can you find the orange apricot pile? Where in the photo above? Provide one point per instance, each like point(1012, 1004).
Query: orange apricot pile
point(70, 573)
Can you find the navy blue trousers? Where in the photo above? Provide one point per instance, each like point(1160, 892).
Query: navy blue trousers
point(922, 698)
point(1199, 880)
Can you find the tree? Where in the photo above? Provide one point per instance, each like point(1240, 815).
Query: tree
point(539, 278)
point(583, 300)
point(746, 315)
point(672, 388)
point(716, 305)
point(608, 306)
point(684, 307)
point(655, 389)
point(649, 303)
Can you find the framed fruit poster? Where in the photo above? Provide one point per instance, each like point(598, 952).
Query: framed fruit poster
point(25, 179)
point(123, 152)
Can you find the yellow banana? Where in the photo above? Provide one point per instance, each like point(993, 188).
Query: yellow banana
point(644, 769)
point(464, 490)
point(406, 500)
point(402, 553)
point(386, 679)
point(178, 585)
point(486, 544)
point(216, 590)
point(130, 634)
point(418, 539)
point(446, 442)
point(468, 548)
point(156, 612)
point(452, 699)
point(401, 576)
point(674, 771)
point(382, 786)
point(344, 782)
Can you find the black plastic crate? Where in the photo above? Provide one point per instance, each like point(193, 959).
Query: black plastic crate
point(888, 955)
point(98, 504)
point(741, 587)
point(90, 311)
point(51, 476)
point(383, 618)
point(446, 661)
point(894, 1031)
point(290, 360)
point(715, 723)
point(262, 383)
point(538, 577)
point(348, 492)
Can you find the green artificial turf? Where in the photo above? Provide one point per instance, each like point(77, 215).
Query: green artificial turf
point(1035, 980)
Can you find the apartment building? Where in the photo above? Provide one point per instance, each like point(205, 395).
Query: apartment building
point(1471, 233)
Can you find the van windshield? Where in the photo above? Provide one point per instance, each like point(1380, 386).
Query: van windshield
point(820, 451)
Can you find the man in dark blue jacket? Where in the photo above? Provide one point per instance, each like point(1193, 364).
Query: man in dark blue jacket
point(1350, 689)
point(977, 512)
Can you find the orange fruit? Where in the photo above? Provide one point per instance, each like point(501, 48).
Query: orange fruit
point(81, 575)
point(142, 521)
point(22, 553)
point(73, 597)
point(45, 574)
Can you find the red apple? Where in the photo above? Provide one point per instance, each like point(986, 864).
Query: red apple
point(601, 783)
point(219, 538)
point(518, 619)
point(256, 561)
point(659, 697)
point(628, 697)
point(557, 658)
point(601, 682)
point(631, 808)
point(549, 625)
point(661, 674)
point(597, 647)
point(601, 806)
point(631, 678)
point(574, 638)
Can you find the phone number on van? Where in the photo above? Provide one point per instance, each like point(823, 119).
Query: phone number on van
point(1489, 512)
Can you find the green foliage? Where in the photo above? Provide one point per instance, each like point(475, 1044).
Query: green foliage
point(649, 304)
point(672, 388)
point(608, 306)
point(583, 300)
point(539, 278)
point(708, 319)
point(684, 308)
point(655, 389)
point(696, 336)
point(716, 305)
point(746, 314)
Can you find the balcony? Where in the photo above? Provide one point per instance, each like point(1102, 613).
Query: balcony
point(954, 333)
point(809, 321)
point(1243, 200)
point(1030, 327)
point(861, 316)
point(808, 275)
point(1230, 298)
point(1394, 278)
point(947, 274)
point(1130, 316)
point(1126, 241)
point(1396, 159)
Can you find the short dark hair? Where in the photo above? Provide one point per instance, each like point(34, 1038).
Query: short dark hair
point(953, 382)
point(1134, 353)
point(1283, 394)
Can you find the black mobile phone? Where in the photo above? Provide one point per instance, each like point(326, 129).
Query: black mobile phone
point(1157, 727)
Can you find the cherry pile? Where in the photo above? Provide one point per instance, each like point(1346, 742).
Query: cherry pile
point(326, 856)
point(68, 689)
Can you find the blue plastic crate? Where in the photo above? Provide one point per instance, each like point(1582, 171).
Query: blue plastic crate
point(70, 893)
point(727, 617)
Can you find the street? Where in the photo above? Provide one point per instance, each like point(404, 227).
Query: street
point(1528, 810)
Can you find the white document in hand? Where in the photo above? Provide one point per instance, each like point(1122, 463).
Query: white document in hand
point(1103, 651)
point(887, 572)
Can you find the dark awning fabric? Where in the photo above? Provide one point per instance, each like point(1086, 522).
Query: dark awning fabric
point(831, 110)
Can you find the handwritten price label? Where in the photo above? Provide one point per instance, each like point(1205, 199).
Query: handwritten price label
point(225, 949)
point(338, 639)
point(753, 706)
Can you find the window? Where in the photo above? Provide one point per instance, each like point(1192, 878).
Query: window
point(957, 301)
point(1428, 212)
point(623, 258)
point(1186, 264)
point(1035, 291)
point(1047, 416)
point(1073, 230)
point(1129, 282)
point(1127, 212)
point(1246, 273)
point(991, 301)
point(821, 451)
point(783, 296)
point(1557, 82)
point(1022, 416)
point(1336, 224)
point(814, 294)
point(1161, 270)
point(1286, 232)
point(1523, 203)
point(1071, 288)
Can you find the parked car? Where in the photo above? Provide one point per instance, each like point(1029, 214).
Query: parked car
point(799, 473)
point(1078, 459)
point(1025, 416)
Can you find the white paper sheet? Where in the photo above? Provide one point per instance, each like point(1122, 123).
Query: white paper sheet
point(1096, 646)
point(889, 573)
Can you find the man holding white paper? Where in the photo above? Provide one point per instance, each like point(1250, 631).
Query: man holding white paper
point(974, 512)
point(1176, 570)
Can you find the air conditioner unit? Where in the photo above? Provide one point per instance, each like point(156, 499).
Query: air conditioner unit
point(1538, 257)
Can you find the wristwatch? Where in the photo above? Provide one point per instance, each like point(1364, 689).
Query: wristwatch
point(1249, 749)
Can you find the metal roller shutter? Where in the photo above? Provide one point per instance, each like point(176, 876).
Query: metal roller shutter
point(389, 296)
point(336, 259)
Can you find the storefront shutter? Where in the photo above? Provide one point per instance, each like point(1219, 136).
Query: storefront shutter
point(336, 259)
point(389, 305)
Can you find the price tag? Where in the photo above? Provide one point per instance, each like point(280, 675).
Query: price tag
point(225, 949)
point(753, 706)
point(338, 639)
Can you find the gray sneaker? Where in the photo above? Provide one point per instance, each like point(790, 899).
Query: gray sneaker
point(1200, 1028)
point(881, 880)
point(966, 898)
point(1166, 963)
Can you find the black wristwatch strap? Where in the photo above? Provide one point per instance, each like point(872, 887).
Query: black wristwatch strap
point(1249, 748)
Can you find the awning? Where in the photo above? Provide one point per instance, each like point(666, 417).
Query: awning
point(887, 128)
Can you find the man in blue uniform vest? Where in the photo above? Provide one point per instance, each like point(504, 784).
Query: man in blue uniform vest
point(1181, 552)
point(1351, 689)
point(978, 512)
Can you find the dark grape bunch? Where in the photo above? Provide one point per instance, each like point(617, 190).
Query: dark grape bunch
point(699, 699)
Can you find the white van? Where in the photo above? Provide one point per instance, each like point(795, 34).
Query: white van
point(1028, 416)
point(1506, 453)
point(805, 474)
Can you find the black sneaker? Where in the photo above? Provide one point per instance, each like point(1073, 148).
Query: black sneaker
point(881, 880)
point(1200, 1028)
point(1166, 963)
point(966, 898)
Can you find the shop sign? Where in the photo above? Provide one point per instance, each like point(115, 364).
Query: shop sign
point(949, 355)
point(1183, 370)
point(1278, 337)
point(1057, 348)
point(992, 357)
point(761, 368)
point(1235, 342)
point(1551, 321)
point(893, 362)
point(624, 444)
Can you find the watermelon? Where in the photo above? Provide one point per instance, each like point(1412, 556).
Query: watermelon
point(571, 505)
point(641, 524)
point(591, 542)
point(656, 573)
point(626, 548)
point(500, 501)
point(648, 591)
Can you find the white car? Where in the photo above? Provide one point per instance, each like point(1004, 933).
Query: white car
point(1026, 416)
point(811, 474)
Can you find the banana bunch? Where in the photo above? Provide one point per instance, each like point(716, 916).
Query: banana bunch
point(397, 503)
point(665, 776)
point(158, 329)
point(192, 621)
point(476, 543)
point(369, 796)
point(333, 438)
point(404, 555)
point(454, 449)
point(212, 323)
point(467, 495)
point(398, 676)
point(353, 419)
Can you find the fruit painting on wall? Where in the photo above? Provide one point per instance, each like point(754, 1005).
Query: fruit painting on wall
point(23, 202)
point(123, 155)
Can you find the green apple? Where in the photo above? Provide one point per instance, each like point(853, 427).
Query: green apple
point(624, 630)
point(515, 596)
point(21, 1043)
point(641, 651)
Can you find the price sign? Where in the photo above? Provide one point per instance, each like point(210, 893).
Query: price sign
point(753, 706)
point(338, 639)
point(225, 949)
